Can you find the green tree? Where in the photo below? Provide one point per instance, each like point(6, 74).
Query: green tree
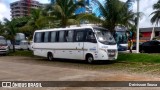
point(115, 12)
point(64, 11)
point(36, 20)
point(11, 30)
point(156, 14)
point(1, 28)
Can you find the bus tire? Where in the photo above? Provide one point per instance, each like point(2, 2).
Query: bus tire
point(89, 58)
point(50, 56)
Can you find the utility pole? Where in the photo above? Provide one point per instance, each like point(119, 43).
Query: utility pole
point(137, 41)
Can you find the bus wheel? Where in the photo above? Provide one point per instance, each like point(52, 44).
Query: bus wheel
point(50, 56)
point(90, 59)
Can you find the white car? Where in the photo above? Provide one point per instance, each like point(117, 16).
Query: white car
point(23, 45)
point(3, 46)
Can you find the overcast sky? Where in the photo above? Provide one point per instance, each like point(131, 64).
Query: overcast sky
point(145, 7)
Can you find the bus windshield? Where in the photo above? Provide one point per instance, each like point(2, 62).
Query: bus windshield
point(104, 36)
point(121, 37)
point(3, 42)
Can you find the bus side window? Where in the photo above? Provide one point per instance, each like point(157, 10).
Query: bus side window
point(35, 37)
point(90, 37)
point(61, 36)
point(57, 36)
point(42, 37)
point(46, 35)
point(69, 36)
point(38, 37)
point(79, 36)
point(49, 36)
point(53, 36)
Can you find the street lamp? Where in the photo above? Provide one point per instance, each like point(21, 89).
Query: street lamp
point(137, 41)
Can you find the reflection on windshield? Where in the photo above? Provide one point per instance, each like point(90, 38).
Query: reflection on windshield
point(104, 36)
point(3, 42)
point(121, 37)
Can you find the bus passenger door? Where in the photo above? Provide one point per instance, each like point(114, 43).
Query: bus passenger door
point(79, 43)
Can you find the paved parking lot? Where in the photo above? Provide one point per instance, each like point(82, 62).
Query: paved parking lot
point(13, 68)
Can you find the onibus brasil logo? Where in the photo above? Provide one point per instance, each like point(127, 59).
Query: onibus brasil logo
point(20, 84)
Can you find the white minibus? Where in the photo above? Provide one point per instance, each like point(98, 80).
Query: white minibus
point(83, 43)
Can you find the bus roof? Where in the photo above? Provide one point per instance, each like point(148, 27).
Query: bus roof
point(67, 28)
point(1, 37)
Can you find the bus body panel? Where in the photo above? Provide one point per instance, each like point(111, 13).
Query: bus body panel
point(60, 50)
point(74, 50)
point(104, 52)
point(91, 48)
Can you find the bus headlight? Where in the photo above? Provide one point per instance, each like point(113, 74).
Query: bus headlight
point(111, 53)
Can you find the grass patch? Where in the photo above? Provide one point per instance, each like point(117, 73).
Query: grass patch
point(122, 57)
point(144, 58)
point(21, 53)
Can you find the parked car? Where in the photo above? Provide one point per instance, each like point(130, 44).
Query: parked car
point(152, 46)
point(134, 46)
point(3, 46)
point(23, 45)
point(122, 48)
point(10, 46)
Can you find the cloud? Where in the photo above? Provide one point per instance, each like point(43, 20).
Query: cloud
point(145, 7)
point(4, 10)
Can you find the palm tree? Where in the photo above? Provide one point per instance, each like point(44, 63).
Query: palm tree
point(115, 12)
point(11, 29)
point(64, 11)
point(36, 20)
point(1, 28)
point(156, 14)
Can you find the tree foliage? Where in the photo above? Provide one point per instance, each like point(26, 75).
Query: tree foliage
point(156, 14)
point(10, 30)
point(115, 12)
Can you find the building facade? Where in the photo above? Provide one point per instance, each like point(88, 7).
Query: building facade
point(86, 9)
point(146, 33)
point(22, 8)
